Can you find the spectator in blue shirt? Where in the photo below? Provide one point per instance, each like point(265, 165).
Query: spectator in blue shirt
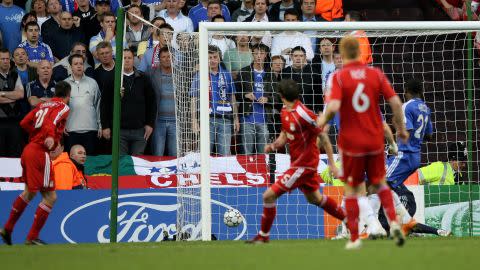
point(223, 110)
point(255, 97)
point(43, 88)
point(205, 10)
point(36, 50)
point(10, 18)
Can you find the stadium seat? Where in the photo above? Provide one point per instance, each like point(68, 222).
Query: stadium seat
point(407, 14)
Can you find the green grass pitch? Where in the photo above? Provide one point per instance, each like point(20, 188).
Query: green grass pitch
point(418, 253)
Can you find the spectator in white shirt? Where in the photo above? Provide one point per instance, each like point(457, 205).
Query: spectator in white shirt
point(175, 18)
point(221, 41)
point(283, 43)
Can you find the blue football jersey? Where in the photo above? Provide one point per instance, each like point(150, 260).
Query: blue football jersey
point(418, 123)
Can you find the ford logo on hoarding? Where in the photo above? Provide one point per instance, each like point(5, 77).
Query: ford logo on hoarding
point(139, 219)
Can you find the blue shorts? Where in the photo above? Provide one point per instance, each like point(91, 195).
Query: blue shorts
point(401, 166)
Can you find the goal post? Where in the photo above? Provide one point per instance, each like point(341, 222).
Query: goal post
point(374, 29)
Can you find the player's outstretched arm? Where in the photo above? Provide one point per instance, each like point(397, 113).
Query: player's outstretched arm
point(332, 108)
point(277, 144)
point(392, 146)
point(398, 117)
point(324, 142)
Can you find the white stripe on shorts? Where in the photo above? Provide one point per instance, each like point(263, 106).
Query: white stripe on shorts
point(294, 177)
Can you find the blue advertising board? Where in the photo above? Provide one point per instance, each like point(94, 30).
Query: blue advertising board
point(82, 216)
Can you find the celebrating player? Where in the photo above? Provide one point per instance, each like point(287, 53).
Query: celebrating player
point(300, 130)
point(45, 125)
point(355, 93)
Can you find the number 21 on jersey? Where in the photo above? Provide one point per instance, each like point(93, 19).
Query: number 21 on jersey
point(40, 116)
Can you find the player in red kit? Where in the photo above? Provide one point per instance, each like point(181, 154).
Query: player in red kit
point(354, 93)
point(45, 125)
point(300, 130)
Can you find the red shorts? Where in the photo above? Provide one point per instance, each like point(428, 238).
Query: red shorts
point(37, 169)
point(307, 180)
point(354, 168)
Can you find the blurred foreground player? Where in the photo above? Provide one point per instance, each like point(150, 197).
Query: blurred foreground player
point(355, 92)
point(45, 125)
point(300, 130)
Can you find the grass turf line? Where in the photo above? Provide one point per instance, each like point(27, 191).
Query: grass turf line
point(419, 253)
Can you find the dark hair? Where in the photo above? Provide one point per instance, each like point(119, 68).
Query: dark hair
point(291, 11)
point(73, 56)
point(261, 47)
point(299, 48)
point(217, 17)
point(62, 89)
point(31, 24)
point(163, 49)
point(134, 6)
point(288, 89)
point(4, 50)
point(214, 2)
point(32, 5)
point(266, 2)
point(103, 45)
point(106, 14)
point(214, 49)
point(157, 19)
point(355, 15)
point(25, 17)
point(78, 43)
point(129, 50)
point(414, 86)
point(166, 26)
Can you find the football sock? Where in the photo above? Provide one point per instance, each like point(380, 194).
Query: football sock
point(369, 217)
point(18, 206)
point(374, 202)
point(330, 206)
point(385, 195)
point(422, 228)
point(269, 212)
point(39, 220)
point(400, 209)
point(351, 205)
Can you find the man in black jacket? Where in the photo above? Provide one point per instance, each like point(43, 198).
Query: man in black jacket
point(255, 97)
point(277, 10)
point(139, 108)
point(11, 90)
point(308, 77)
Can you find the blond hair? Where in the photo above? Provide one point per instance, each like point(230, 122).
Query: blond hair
point(349, 48)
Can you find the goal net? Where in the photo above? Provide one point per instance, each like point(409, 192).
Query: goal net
point(242, 115)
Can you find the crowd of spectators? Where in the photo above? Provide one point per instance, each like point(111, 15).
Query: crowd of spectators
point(47, 41)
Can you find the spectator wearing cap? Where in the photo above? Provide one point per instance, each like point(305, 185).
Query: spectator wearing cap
point(9, 28)
point(442, 172)
point(277, 10)
point(207, 9)
point(36, 50)
point(175, 18)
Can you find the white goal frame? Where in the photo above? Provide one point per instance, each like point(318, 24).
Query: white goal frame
point(204, 31)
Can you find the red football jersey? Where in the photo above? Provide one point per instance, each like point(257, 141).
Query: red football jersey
point(301, 129)
point(48, 119)
point(359, 87)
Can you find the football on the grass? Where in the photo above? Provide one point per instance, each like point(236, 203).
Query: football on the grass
point(232, 218)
